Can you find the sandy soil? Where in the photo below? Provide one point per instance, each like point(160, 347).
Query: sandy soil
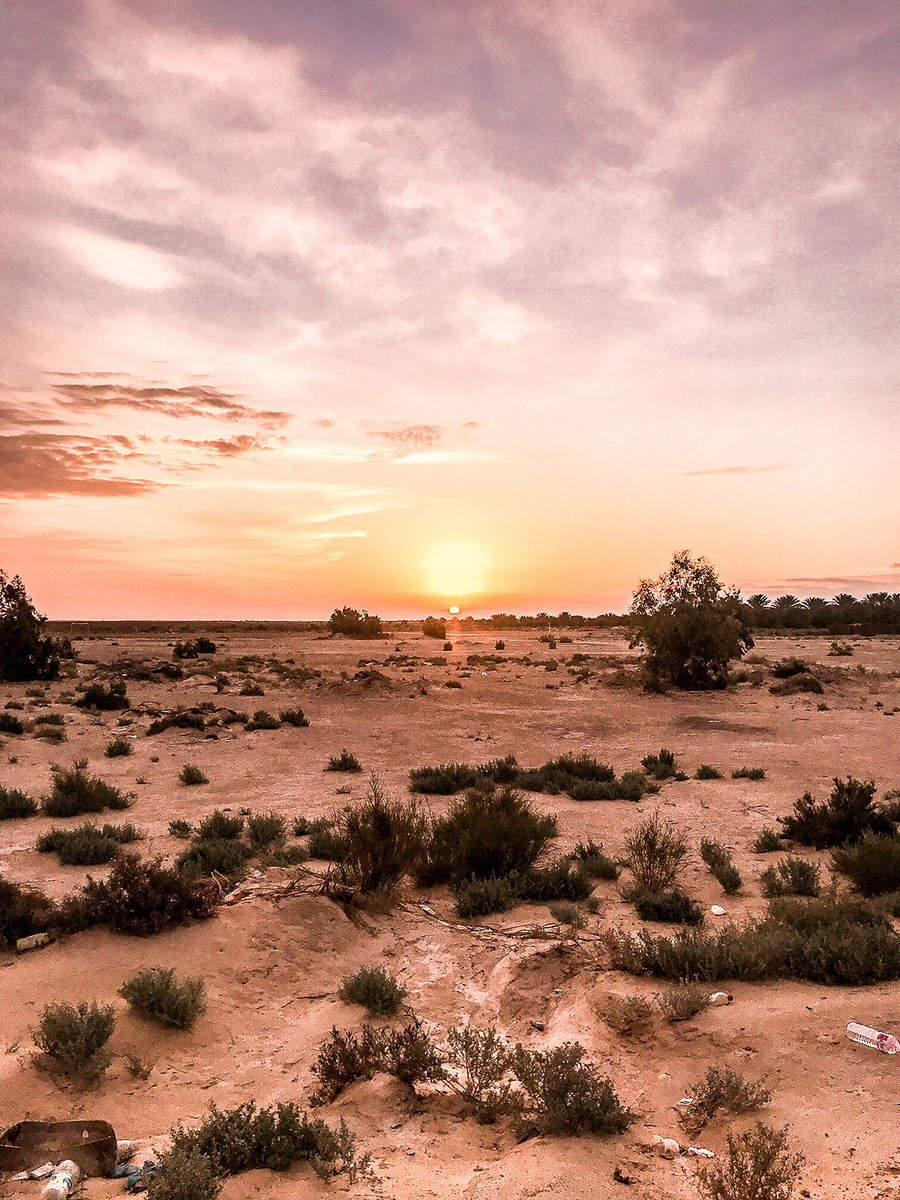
point(273, 962)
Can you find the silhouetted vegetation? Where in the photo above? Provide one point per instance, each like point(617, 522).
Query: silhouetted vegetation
point(845, 816)
point(355, 624)
point(25, 651)
point(76, 792)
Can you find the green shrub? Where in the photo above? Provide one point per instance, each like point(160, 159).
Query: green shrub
point(483, 1061)
point(757, 1166)
point(673, 906)
point(118, 748)
point(845, 816)
point(655, 852)
point(159, 995)
point(729, 877)
point(51, 718)
point(287, 856)
point(355, 624)
point(226, 856)
point(180, 829)
point(345, 761)
point(85, 846)
point(191, 775)
point(326, 841)
point(683, 1001)
point(555, 881)
point(797, 684)
point(627, 1014)
point(840, 650)
point(23, 911)
point(660, 766)
point(15, 804)
point(300, 827)
point(792, 876)
point(105, 699)
point(564, 912)
point(766, 841)
point(374, 988)
point(177, 720)
point(752, 773)
point(407, 1053)
point(25, 653)
point(10, 724)
point(594, 862)
point(383, 842)
point(873, 864)
point(565, 1095)
point(450, 778)
point(219, 825)
point(480, 897)
point(184, 1175)
point(140, 898)
point(262, 720)
point(705, 771)
point(722, 1089)
point(75, 792)
point(293, 716)
point(713, 853)
point(75, 1038)
point(266, 830)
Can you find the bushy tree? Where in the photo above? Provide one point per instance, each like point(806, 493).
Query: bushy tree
point(25, 652)
point(690, 625)
point(355, 624)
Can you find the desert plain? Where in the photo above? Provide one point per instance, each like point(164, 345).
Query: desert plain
point(274, 955)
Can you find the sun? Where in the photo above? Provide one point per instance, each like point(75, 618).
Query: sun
point(454, 569)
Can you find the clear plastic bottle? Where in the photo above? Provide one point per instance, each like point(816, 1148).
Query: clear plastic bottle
point(866, 1036)
point(62, 1182)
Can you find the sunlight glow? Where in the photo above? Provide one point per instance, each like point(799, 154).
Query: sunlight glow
point(455, 569)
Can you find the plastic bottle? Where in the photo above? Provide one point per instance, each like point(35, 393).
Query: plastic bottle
point(63, 1181)
point(885, 1042)
point(720, 998)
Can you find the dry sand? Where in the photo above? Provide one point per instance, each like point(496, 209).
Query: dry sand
point(272, 964)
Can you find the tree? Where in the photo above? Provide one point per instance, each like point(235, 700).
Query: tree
point(353, 623)
point(25, 653)
point(690, 624)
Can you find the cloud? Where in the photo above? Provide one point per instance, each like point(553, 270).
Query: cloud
point(36, 465)
point(242, 443)
point(127, 263)
point(743, 470)
point(192, 401)
point(409, 437)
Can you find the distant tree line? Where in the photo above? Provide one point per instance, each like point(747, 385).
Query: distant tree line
point(879, 612)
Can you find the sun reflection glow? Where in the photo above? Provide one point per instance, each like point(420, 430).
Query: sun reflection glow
point(455, 569)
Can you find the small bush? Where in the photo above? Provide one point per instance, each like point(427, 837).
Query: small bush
point(118, 748)
point(766, 841)
point(660, 766)
point(722, 1089)
point(15, 805)
point(683, 1001)
point(564, 1095)
point(407, 1053)
point(383, 842)
point(159, 995)
point(180, 829)
point(797, 684)
point(434, 627)
point(262, 720)
point(627, 1014)
point(564, 912)
point(757, 1166)
point(656, 852)
point(293, 716)
point(594, 862)
point(252, 689)
point(481, 897)
point(788, 667)
point(191, 775)
point(140, 898)
point(713, 853)
point(705, 771)
point(220, 825)
point(555, 881)
point(729, 877)
point(86, 846)
point(178, 720)
point(50, 719)
point(105, 699)
point(345, 761)
point(23, 911)
point(75, 1037)
point(752, 773)
point(300, 826)
point(845, 816)
point(673, 906)
point(266, 830)
point(184, 1175)
point(378, 991)
point(76, 792)
point(287, 856)
point(840, 650)
point(500, 645)
point(873, 864)
point(225, 856)
point(10, 724)
point(326, 841)
point(483, 1060)
point(792, 876)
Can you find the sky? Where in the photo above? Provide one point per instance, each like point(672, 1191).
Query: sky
point(313, 303)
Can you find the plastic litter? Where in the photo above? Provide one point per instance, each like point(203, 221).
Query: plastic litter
point(63, 1181)
point(665, 1147)
point(866, 1036)
point(700, 1152)
point(717, 910)
point(718, 998)
point(124, 1151)
point(33, 942)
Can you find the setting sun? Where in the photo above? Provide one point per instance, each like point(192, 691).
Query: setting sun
point(455, 569)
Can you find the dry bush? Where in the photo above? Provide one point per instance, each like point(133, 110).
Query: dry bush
point(483, 1060)
point(683, 1001)
point(722, 1089)
point(656, 852)
point(74, 1038)
point(757, 1166)
point(159, 995)
point(627, 1014)
point(374, 988)
point(565, 1095)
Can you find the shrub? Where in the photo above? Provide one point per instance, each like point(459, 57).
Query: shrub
point(500, 645)
point(25, 653)
point(407, 1053)
point(844, 817)
point(345, 761)
point(219, 825)
point(705, 771)
point(252, 689)
point(757, 1166)
point(10, 724)
point(300, 826)
point(873, 864)
point(673, 906)
point(722, 1089)
point(564, 912)
point(287, 856)
point(378, 991)
point(383, 841)
point(355, 624)
point(184, 1175)
point(226, 856)
point(105, 699)
point(729, 877)
point(85, 846)
point(140, 898)
point(326, 841)
point(23, 911)
point(796, 684)
point(840, 650)
point(655, 852)
point(262, 720)
point(75, 1037)
point(434, 627)
point(792, 876)
point(50, 718)
point(159, 995)
point(180, 829)
point(265, 830)
point(178, 720)
point(752, 773)
point(15, 804)
point(485, 834)
point(660, 766)
point(627, 1014)
point(594, 862)
point(788, 667)
point(293, 716)
point(766, 841)
point(713, 853)
point(191, 775)
point(480, 897)
point(118, 748)
point(683, 1001)
point(555, 881)
point(483, 1060)
point(76, 792)
point(566, 1095)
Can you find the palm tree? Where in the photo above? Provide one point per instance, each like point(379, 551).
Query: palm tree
point(817, 610)
point(787, 611)
point(757, 608)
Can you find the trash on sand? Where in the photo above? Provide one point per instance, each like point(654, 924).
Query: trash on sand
point(38, 1173)
point(124, 1151)
point(136, 1177)
point(717, 910)
point(29, 1144)
point(665, 1147)
point(720, 998)
point(700, 1152)
point(866, 1036)
point(62, 1182)
point(685, 1101)
point(33, 942)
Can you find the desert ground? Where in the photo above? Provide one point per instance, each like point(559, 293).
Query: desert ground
point(274, 955)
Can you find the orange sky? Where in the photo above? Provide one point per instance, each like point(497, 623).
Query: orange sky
point(400, 305)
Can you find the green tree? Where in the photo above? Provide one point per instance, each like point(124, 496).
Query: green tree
point(25, 652)
point(353, 623)
point(690, 625)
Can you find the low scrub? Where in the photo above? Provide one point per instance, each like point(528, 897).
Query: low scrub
point(119, 747)
point(594, 862)
point(266, 830)
point(481, 897)
point(675, 906)
point(76, 792)
point(558, 880)
point(220, 825)
point(787, 668)
point(181, 829)
point(847, 814)
point(656, 852)
point(190, 719)
point(10, 724)
point(705, 771)
point(262, 720)
point(293, 716)
point(718, 858)
point(766, 841)
point(482, 1062)
point(325, 840)
point(754, 774)
point(756, 1166)
point(660, 766)
point(627, 1014)
point(872, 864)
point(579, 776)
point(207, 856)
point(105, 699)
point(797, 684)
point(191, 775)
point(140, 898)
point(15, 804)
point(86, 846)
point(565, 1095)
point(345, 761)
point(375, 989)
point(383, 842)
point(74, 1038)
point(158, 994)
point(683, 1001)
point(722, 1089)
point(408, 1053)
point(791, 876)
